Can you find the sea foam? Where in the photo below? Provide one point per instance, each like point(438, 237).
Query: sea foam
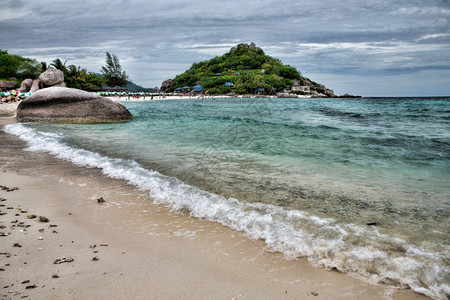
point(358, 251)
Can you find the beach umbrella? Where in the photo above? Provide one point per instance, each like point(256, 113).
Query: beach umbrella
point(198, 88)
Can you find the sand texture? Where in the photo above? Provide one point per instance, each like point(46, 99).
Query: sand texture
point(8, 109)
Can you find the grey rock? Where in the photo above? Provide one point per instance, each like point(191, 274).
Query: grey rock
point(66, 105)
point(25, 86)
point(43, 219)
point(8, 85)
point(35, 85)
point(166, 84)
point(51, 77)
point(61, 84)
point(63, 260)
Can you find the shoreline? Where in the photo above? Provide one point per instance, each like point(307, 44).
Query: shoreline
point(187, 97)
point(150, 252)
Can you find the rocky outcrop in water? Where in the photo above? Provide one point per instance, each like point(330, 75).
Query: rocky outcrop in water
point(166, 84)
point(318, 90)
point(66, 105)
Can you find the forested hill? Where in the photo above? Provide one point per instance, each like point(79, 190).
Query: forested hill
point(245, 69)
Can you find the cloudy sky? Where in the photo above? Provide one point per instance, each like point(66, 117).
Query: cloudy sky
point(369, 48)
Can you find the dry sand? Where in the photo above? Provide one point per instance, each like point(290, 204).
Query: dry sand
point(130, 248)
point(8, 110)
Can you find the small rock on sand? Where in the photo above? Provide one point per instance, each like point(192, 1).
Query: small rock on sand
point(43, 219)
point(63, 260)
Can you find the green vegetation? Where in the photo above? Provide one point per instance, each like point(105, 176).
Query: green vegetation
point(113, 73)
point(245, 66)
point(78, 78)
point(19, 68)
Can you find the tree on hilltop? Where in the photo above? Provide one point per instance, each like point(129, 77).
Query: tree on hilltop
point(112, 72)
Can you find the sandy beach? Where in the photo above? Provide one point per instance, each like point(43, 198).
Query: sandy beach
point(8, 110)
point(59, 241)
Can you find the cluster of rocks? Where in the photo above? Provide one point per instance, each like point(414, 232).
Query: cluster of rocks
point(49, 78)
point(52, 101)
point(246, 46)
point(319, 90)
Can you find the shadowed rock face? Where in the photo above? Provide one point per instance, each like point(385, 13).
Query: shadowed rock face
point(26, 85)
point(35, 86)
point(8, 85)
point(59, 104)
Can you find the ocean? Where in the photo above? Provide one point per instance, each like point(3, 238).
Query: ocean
point(357, 185)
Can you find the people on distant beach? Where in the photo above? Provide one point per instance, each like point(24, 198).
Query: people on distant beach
point(7, 97)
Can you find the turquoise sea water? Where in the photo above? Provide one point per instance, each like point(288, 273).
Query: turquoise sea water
point(360, 185)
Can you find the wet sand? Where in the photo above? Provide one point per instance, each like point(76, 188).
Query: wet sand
point(130, 248)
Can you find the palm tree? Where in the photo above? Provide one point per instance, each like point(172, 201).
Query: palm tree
point(44, 66)
point(75, 77)
point(58, 64)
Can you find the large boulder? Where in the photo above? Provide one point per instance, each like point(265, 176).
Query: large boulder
point(66, 105)
point(8, 85)
point(51, 77)
point(35, 86)
point(166, 84)
point(61, 84)
point(25, 86)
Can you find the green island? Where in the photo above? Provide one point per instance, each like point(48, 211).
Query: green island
point(245, 69)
